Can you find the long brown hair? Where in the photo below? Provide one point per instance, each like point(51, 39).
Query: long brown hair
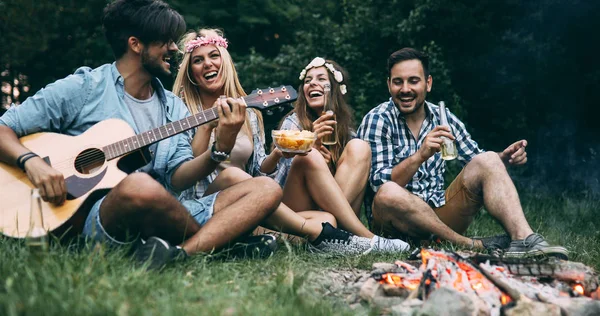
point(306, 115)
point(185, 88)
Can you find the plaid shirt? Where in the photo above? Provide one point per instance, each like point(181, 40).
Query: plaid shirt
point(385, 129)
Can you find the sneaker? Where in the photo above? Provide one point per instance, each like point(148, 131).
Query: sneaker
point(380, 244)
point(492, 243)
point(157, 253)
point(534, 246)
point(259, 246)
point(336, 241)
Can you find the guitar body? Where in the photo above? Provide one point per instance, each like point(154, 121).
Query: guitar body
point(85, 169)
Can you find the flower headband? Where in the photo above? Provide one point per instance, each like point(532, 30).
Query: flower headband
point(205, 40)
point(318, 62)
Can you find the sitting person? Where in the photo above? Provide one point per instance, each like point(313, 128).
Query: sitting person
point(207, 72)
point(331, 177)
point(143, 205)
point(407, 169)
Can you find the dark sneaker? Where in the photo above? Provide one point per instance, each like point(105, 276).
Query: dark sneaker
point(492, 243)
point(535, 246)
point(259, 246)
point(336, 241)
point(157, 253)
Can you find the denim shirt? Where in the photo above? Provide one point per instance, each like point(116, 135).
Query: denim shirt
point(72, 105)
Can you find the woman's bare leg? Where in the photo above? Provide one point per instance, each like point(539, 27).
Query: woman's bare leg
point(307, 224)
point(311, 184)
point(304, 224)
point(352, 172)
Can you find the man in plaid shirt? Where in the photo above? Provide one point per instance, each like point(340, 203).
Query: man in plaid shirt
point(407, 170)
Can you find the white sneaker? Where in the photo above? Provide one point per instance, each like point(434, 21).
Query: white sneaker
point(380, 244)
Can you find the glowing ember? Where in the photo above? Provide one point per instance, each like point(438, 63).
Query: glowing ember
point(578, 288)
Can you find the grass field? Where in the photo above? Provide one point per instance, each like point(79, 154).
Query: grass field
point(96, 281)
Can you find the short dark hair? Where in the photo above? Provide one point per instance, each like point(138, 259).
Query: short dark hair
point(151, 21)
point(408, 53)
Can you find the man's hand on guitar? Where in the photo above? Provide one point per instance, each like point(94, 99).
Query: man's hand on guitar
point(49, 180)
point(232, 115)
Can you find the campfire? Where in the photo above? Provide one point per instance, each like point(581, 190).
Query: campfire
point(485, 284)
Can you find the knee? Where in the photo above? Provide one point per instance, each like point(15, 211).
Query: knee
point(392, 196)
point(313, 159)
point(139, 190)
point(271, 190)
point(233, 175)
point(487, 161)
point(359, 151)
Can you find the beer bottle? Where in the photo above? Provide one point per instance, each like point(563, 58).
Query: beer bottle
point(330, 139)
point(449, 150)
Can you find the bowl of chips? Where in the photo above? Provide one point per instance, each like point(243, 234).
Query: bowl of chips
point(298, 142)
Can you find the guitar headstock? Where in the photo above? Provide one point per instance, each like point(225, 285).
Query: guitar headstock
point(270, 97)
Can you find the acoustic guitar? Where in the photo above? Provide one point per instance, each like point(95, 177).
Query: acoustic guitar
point(94, 162)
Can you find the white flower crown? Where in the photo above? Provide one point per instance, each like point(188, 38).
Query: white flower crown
point(319, 62)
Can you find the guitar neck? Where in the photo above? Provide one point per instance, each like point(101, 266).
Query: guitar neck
point(258, 99)
point(152, 136)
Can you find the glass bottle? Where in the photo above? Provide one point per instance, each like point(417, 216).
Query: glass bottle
point(449, 150)
point(37, 236)
point(330, 139)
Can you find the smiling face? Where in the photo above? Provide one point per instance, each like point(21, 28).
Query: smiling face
point(156, 56)
point(408, 86)
point(315, 80)
point(205, 68)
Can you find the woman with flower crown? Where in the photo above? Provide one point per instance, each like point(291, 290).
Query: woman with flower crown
point(207, 72)
point(336, 173)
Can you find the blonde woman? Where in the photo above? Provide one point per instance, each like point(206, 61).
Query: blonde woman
point(207, 72)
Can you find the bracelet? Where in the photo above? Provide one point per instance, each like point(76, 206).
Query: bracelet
point(23, 158)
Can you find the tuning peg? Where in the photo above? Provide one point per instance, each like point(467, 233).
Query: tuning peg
point(283, 88)
point(259, 92)
point(271, 90)
point(269, 112)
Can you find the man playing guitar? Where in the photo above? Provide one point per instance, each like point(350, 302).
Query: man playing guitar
point(142, 206)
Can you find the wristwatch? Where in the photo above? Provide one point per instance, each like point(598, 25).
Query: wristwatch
point(218, 156)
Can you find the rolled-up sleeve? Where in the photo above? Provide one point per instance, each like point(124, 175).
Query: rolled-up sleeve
point(375, 129)
point(51, 109)
point(259, 155)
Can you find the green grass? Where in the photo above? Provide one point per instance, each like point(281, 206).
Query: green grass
point(97, 281)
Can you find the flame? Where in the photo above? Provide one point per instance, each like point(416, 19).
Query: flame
point(504, 299)
point(578, 288)
point(397, 280)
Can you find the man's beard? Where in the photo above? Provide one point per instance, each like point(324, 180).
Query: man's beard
point(153, 65)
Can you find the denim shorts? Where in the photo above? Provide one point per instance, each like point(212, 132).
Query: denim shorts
point(201, 210)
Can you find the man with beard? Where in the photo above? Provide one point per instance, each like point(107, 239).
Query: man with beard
point(142, 208)
point(407, 171)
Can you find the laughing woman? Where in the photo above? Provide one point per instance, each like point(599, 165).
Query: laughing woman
point(334, 177)
point(206, 73)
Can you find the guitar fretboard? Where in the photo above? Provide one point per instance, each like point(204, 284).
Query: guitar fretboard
point(146, 138)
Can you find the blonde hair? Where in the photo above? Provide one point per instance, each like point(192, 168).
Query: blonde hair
point(189, 92)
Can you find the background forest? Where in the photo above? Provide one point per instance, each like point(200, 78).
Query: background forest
point(510, 69)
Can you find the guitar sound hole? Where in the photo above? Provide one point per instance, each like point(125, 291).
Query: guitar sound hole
point(89, 161)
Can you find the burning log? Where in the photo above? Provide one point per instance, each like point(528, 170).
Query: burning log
point(527, 287)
